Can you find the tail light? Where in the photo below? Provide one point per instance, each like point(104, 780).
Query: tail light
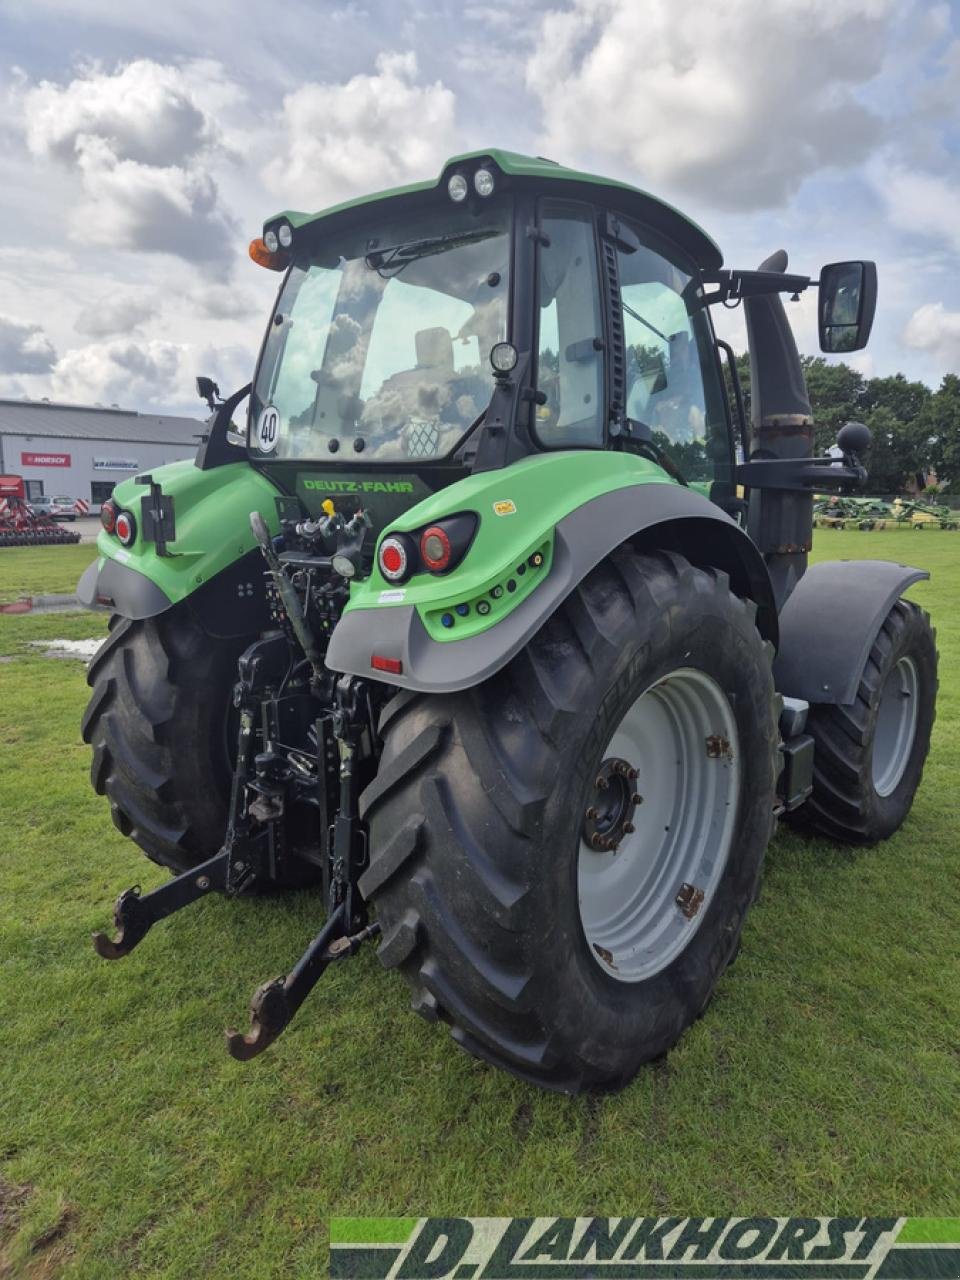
point(397, 557)
point(435, 548)
point(108, 515)
point(125, 528)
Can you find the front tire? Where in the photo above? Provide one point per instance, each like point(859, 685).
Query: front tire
point(478, 824)
point(158, 722)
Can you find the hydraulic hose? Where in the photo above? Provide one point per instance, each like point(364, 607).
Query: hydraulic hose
point(288, 594)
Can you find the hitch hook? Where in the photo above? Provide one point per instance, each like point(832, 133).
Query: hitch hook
point(275, 1002)
point(134, 916)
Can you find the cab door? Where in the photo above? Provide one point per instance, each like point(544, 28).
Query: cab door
point(673, 394)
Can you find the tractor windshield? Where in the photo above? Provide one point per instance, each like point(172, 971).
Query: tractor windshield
point(381, 340)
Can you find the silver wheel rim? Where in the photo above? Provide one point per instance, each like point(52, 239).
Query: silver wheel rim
point(656, 835)
point(896, 727)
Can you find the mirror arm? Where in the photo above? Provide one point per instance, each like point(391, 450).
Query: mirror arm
point(804, 474)
point(732, 286)
point(214, 450)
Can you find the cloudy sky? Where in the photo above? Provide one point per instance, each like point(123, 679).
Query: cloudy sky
point(142, 146)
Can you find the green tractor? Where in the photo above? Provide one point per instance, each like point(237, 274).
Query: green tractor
point(471, 630)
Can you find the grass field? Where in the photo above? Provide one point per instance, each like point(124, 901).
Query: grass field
point(28, 571)
point(824, 1078)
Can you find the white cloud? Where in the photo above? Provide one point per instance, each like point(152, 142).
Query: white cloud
point(143, 111)
point(109, 315)
point(139, 372)
point(734, 103)
point(921, 203)
point(371, 132)
point(24, 347)
point(934, 329)
point(123, 371)
point(863, 362)
point(141, 145)
point(140, 207)
point(225, 302)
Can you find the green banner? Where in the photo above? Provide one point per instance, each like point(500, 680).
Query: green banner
point(659, 1248)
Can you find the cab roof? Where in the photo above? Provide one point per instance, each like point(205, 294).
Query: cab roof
point(547, 177)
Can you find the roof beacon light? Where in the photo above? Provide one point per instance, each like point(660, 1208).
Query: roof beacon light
point(457, 188)
point(263, 257)
point(483, 182)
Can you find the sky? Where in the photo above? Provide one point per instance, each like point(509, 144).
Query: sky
point(143, 146)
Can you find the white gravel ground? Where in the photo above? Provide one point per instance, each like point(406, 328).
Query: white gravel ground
point(82, 649)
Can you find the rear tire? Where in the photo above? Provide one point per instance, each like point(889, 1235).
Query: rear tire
point(157, 721)
point(869, 756)
point(476, 819)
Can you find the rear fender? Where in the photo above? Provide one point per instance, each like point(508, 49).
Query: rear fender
point(829, 625)
point(212, 565)
point(575, 513)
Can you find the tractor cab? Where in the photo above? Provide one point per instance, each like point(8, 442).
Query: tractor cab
point(377, 358)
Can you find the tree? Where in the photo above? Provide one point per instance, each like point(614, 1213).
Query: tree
point(905, 400)
point(836, 396)
point(939, 427)
point(894, 456)
point(913, 428)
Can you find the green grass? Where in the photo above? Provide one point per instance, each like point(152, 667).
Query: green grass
point(29, 571)
point(824, 1078)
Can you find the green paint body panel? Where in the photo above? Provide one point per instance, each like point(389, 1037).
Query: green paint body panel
point(212, 510)
point(541, 490)
point(534, 168)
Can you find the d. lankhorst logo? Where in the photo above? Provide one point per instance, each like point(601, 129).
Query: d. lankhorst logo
point(664, 1248)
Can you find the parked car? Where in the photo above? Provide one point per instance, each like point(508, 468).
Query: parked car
point(58, 507)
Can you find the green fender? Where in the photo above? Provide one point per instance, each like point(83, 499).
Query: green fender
point(213, 559)
point(543, 524)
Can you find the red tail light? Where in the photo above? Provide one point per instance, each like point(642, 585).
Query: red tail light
point(396, 557)
point(435, 548)
point(125, 528)
point(393, 666)
point(108, 516)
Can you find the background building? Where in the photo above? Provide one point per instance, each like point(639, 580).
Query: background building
point(82, 451)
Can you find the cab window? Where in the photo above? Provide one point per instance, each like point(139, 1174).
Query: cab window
point(673, 393)
point(570, 371)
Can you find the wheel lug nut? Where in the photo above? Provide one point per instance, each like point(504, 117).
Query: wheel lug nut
point(631, 774)
point(601, 783)
point(636, 799)
point(592, 811)
point(628, 828)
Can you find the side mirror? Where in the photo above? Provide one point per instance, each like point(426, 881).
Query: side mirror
point(208, 390)
point(848, 302)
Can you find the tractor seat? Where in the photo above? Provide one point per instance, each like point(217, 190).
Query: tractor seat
point(435, 351)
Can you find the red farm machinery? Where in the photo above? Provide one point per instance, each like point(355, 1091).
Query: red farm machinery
point(20, 525)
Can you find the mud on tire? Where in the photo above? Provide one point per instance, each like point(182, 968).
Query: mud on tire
point(475, 820)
